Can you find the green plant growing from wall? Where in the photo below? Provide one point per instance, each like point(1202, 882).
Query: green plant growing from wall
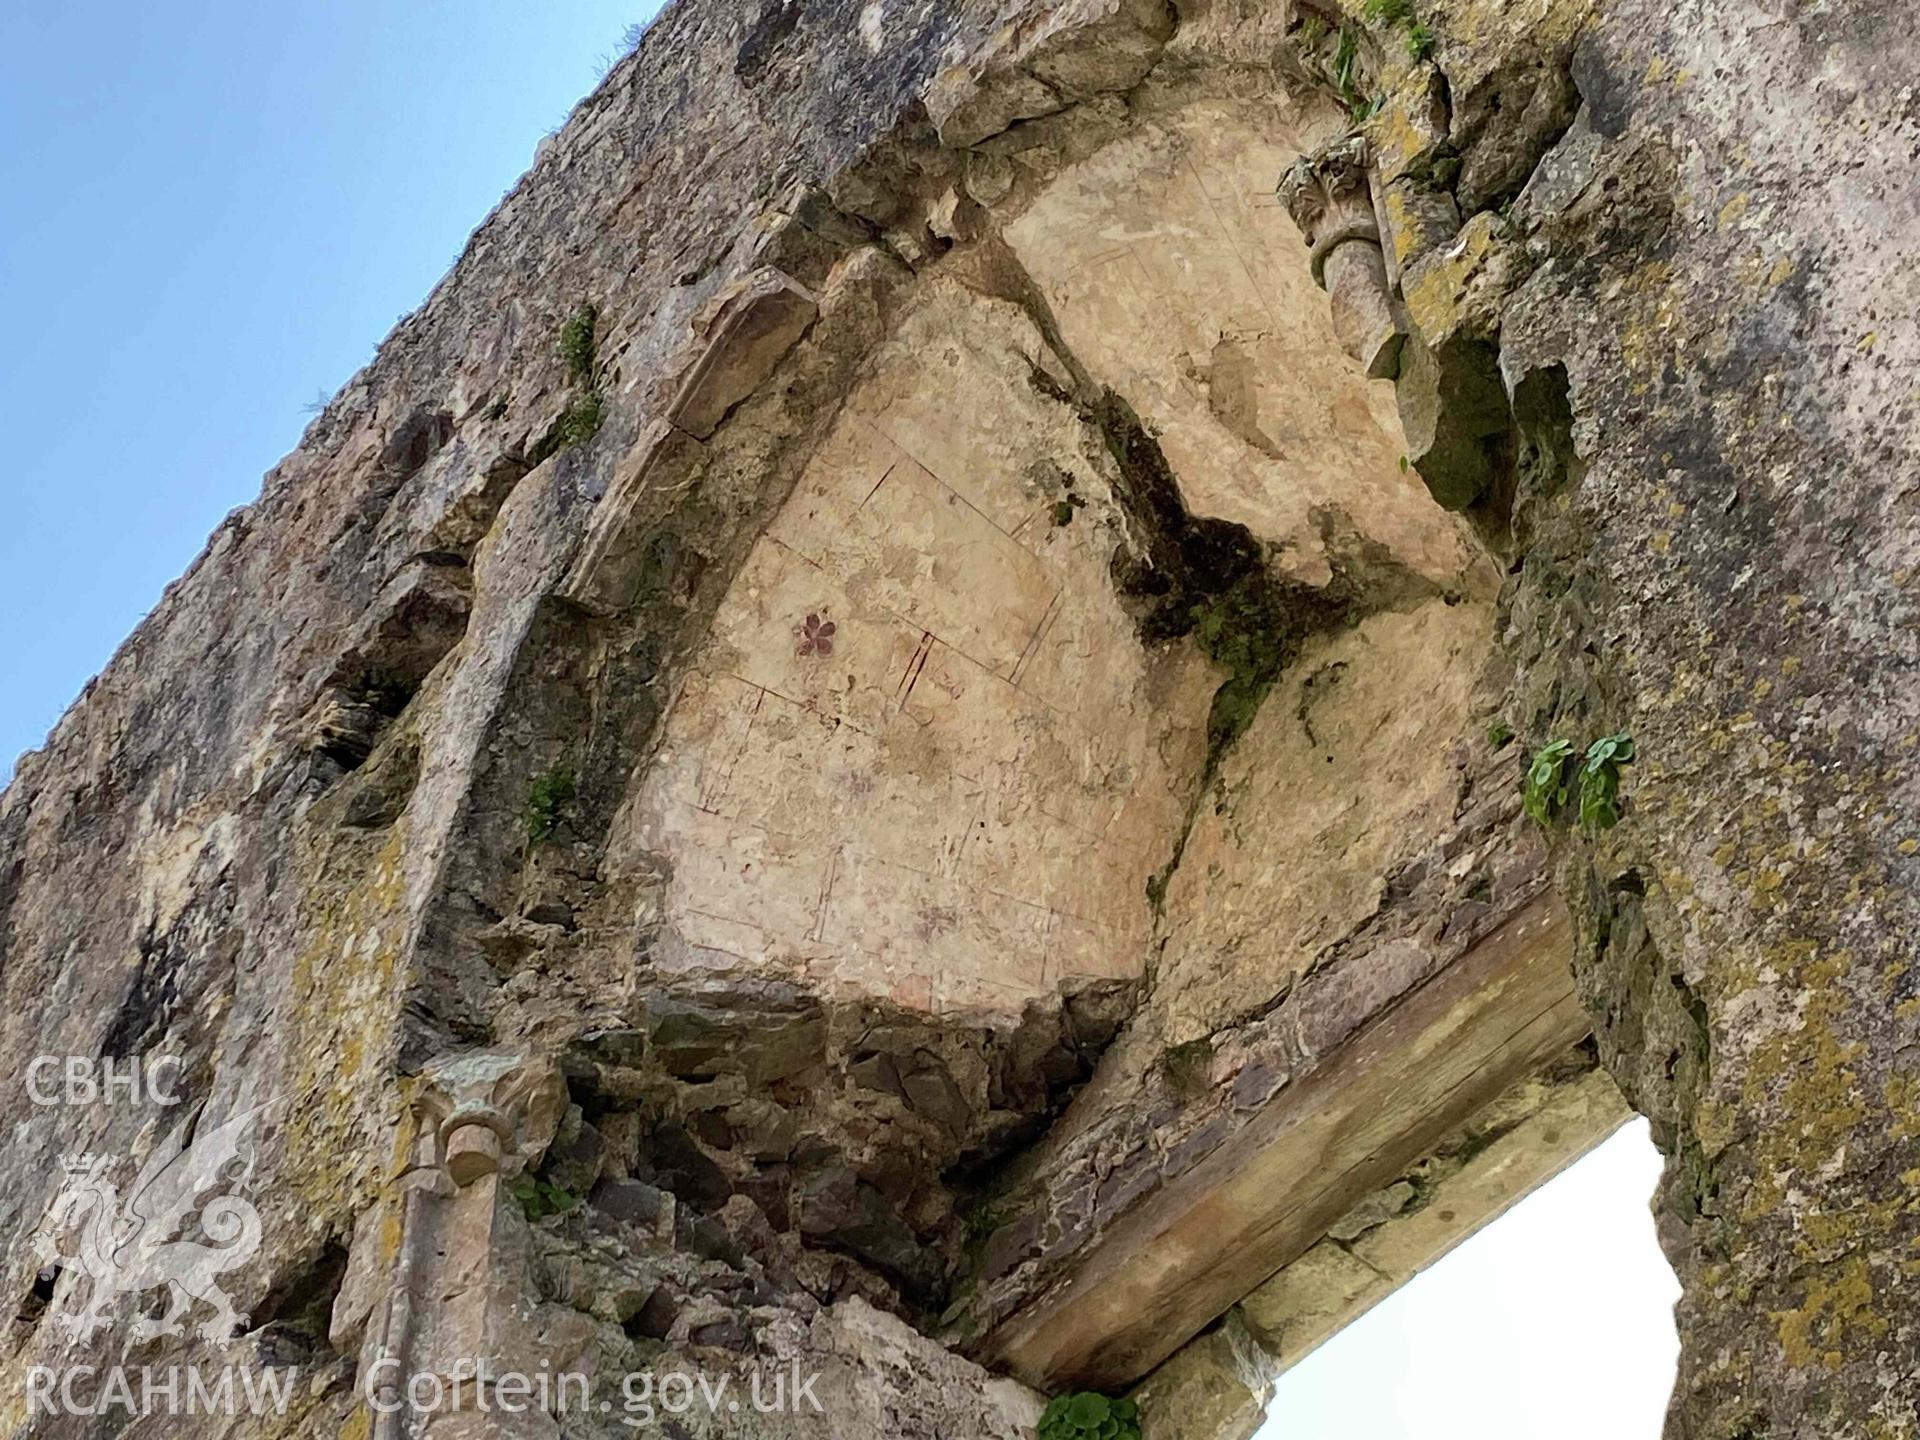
point(1190, 1065)
point(577, 343)
point(547, 799)
point(540, 1197)
point(1086, 1415)
point(1545, 793)
point(1331, 52)
point(1346, 76)
point(1242, 631)
point(1600, 781)
point(980, 1220)
point(1559, 775)
point(581, 420)
point(577, 424)
point(1398, 15)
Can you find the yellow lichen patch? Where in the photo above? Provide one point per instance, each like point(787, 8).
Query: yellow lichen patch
point(1829, 1233)
point(348, 970)
point(1437, 291)
point(1404, 132)
point(1903, 1102)
point(1838, 1306)
point(1410, 231)
point(1650, 310)
point(1805, 1077)
point(1713, 1126)
point(1731, 212)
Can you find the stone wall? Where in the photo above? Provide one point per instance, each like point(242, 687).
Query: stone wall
point(872, 724)
point(1654, 353)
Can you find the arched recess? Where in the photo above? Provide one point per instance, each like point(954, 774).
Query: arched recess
point(1108, 640)
point(1086, 809)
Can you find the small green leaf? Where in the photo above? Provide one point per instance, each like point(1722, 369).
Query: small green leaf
point(1545, 791)
point(1088, 1410)
point(1086, 1415)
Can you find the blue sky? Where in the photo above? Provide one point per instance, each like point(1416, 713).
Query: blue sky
point(214, 213)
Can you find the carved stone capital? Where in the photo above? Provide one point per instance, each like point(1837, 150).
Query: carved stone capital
point(488, 1111)
point(1327, 194)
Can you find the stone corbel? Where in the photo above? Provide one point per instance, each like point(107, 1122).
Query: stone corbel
point(1330, 199)
point(747, 331)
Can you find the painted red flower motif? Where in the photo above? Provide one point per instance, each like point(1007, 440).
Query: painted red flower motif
point(815, 636)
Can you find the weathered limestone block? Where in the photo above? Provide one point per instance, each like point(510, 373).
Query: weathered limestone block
point(613, 562)
point(1407, 134)
point(1068, 54)
point(967, 108)
point(747, 330)
point(1408, 140)
point(1214, 1389)
point(1308, 1301)
point(1454, 293)
point(1458, 420)
point(1415, 220)
point(1084, 48)
point(1523, 1154)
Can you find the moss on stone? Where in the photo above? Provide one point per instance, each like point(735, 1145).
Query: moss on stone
point(578, 423)
point(1190, 1065)
point(577, 343)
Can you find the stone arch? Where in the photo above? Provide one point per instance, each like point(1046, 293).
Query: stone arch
point(1108, 643)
